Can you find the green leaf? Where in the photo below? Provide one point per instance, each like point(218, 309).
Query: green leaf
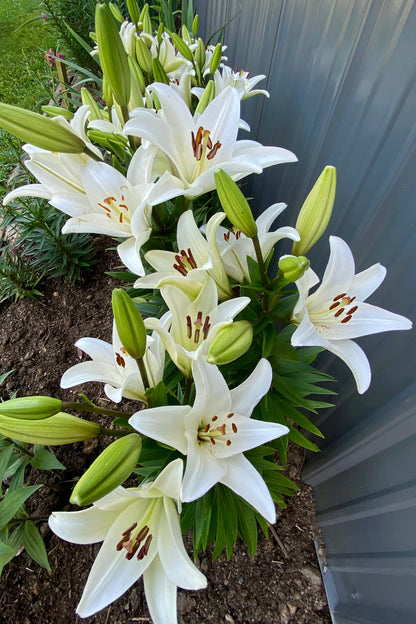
point(203, 512)
point(5, 457)
point(247, 525)
point(14, 541)
point(254, 272)
point(45, 460)
point(158, 395)
point(227, 522)
point(34, 545)
point(5, 375)
point(12, 502)
point(126, 276)
point(300, 439)
point(5, 549)
point(269, 337)
point(122, 422)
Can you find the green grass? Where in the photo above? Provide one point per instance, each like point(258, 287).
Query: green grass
point(23, 69)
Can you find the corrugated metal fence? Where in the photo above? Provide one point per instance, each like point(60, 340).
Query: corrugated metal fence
point(341, 75)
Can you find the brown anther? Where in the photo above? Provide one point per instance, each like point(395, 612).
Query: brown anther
point(339, 296)
point(124, 205)
point(227, 236)
point(130, 529)
point(133, 551)
point(346, 319)
point(234, 427)
point(340, 311)
point(334, 305)
point(125, 538)
point(106, 208)
point(352, 310)
point(142, 534)
point(214, 150)
point(120, 217)
point(230, 415)
point(228, 442)
point(120, 360)
point(214, 418)
point(145, 549)
point(206, 327)
point(237, 234)
point(212, 441)
point(189, 326)
point(206, 428)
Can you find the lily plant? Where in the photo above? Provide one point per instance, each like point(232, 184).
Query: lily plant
point(195, 146)
point(141, 536)
point(215, 432)
point(336, 313)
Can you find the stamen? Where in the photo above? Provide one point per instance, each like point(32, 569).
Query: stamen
point(346, 319)
point(230, 415)
point(339, 296)
point(234, 427)
point(340, 311)
point(228, 442)
point(189, 326)
point(145, 549)
point(212, 441)
point(352, 310)
point(214, 418)
point(129, 530)
point(334, 305)
point(206, 428)
point(227, 236)
point(206, 327)
point(120, 361)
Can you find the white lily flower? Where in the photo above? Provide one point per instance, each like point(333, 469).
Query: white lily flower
point(215, 432)
point(197, 146)
point(113, 366)
point(140, 531)
point(235, 247)
point(226, 77)
point(335, 313)
point(195, 255)
point(194, 318)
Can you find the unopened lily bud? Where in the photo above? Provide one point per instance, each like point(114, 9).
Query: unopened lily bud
point(113, 57)
point(113, 466)
point(293, 267)
point(182, 47)
point(235, 204)
point(95, 111)
point(59, 429)
point(195, 25)
point(185, 34)
point(215, 59)
point(133, 10)
point(54, 111)
point(230, 343)
point(137, 75)
point(107, 139)
point(145, 20)
point(129, 323)
point(116, 13)
point(158, 72)
point(316, 211)
point(144, 57)
point(31, 407)
point(50, 134)
point(200, 54)
point(207, 97)
point(107, 94)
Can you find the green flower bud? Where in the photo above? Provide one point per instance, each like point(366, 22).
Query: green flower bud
point(129, 323)
point(200, 54)
point(95, 111)
point(116, 13)
point(158, 72)
point(109, 470)
point(145, 20)
point(316, 211)
point(53, 111)
point(31, 407)
point(59, 429)
point(215, 59)
point(230, 343)
point(107, 93)
point(133, 10)
point(207, 97)
point(137, 75)
point(235, 204)
point(293, 267)
point(160, 32)
point(107, 139)
point(49, 134)
point(144, 57)
point(182, 47)
point(195, 25)
point(185, 34)
point(113, 57)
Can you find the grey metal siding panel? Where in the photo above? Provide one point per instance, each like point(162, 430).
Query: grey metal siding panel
point(342, 80)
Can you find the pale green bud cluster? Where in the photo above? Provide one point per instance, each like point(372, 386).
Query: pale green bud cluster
point(293, 267)
point(230, 343)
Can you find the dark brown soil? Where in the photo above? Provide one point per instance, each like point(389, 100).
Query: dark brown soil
point(280, 585)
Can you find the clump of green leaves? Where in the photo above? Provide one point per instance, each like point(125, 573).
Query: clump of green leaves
point(17, 279)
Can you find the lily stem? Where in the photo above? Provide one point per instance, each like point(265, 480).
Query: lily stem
point(86, 407)
point(262, 269)
point(145, 378)
point(118, 433)
point(187, 394)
